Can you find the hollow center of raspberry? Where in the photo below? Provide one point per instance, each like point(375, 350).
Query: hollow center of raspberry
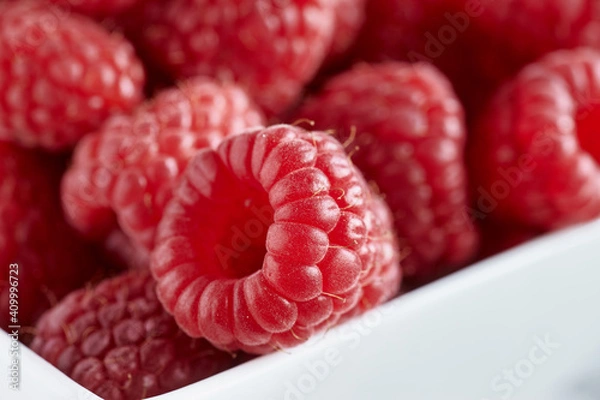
point(241, 248)
point(588, 130)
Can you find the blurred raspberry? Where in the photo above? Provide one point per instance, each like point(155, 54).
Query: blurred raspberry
point(349, 18)
point(125, 172)
point(535, 153)
point(61, 75)
point(476, 43)
point(52, 260)
point(272, 47)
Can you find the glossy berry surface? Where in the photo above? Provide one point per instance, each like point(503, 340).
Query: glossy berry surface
point(61, 75)
point(404, 128)
point(270, 238)
point(117, 341)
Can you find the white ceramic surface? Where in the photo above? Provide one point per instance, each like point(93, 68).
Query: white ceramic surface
point(522, 325)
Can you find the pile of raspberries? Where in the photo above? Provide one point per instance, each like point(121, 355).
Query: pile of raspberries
point(185, 184)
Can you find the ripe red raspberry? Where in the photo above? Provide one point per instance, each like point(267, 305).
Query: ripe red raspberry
point(405, 130)
point(535, 155)
point(117, 341)
point(476, 43)
point(270, 238)
point(50, 259)
point(61, 75)
point(126, 171)
point(271, 47)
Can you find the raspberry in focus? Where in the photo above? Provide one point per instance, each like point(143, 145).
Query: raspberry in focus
point(270, 238)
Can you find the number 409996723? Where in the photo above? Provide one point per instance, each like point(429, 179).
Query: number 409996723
point(13, 296)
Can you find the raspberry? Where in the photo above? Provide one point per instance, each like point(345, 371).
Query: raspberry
point(126, 171)
point(405, 129)
point(62, 75)
point(270, 238)
point(272, 48)
point(477, 43)
point(535, 154)
point(117, 341)
point(51, 260)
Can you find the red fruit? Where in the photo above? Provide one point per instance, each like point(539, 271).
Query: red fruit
point(272, 48)
point(477, 43)
point(117, 341)
point(126, 171)
point(46, 257)
point(404, 128)
point(535, 155)
point(270, 238)
point(61, 75)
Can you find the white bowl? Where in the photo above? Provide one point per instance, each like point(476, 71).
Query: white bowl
point(521, 325)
